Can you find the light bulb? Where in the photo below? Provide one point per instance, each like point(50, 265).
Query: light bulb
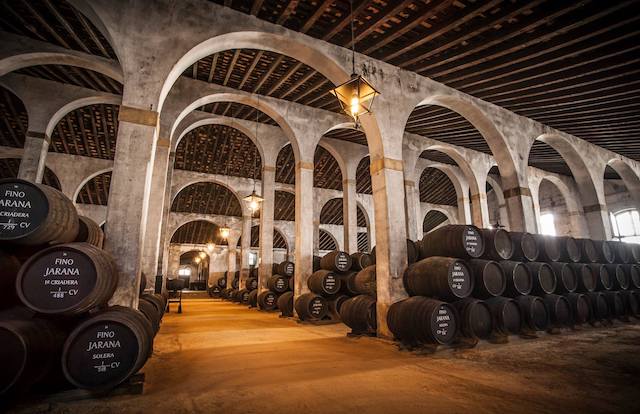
point(203, 255)
point(355, 106)
point(224, 232)
point(197, 260)
point(253, 205)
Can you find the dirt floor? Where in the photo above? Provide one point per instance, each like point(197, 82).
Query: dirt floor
point(219, 357)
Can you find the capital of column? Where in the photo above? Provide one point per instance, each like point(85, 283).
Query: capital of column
point(348, 181)
point(303, 165)
point(594, 208)
point(478, 196)
point(386, 163)
point(138, 116)
point(164, 143)
point(270, 168)
point(516, 192)
point(39, 135)
point(409, 183)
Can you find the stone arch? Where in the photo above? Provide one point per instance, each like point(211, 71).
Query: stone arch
point(77, 104)
point(323, 237)
point(591, 188)
point(16, 123)
point(86, 180)
point(10, 164)
point(224, 186)
point(336, 155)
point(195, 180)
point(252, 101)
point(439, 211)
point(187, 223)
point(629, 177)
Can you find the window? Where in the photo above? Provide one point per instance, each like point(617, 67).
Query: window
point(547, 224)
point(253, 259)
point(626, 226)
point(185, 271)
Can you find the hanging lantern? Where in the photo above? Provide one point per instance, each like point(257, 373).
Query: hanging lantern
point(253, 201)
point(356, 96)
point(224, 232)
point(203, 255)
point(197, 260)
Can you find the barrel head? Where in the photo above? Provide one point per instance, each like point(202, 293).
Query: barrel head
point(444, 324)
point(101, 355)
point(460, 279)
point(13, 357)
point(473, 241)
point(23, 208)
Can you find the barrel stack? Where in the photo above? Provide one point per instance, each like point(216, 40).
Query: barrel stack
point(472, 284)
point(56, 282)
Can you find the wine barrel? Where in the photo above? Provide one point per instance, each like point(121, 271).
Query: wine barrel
point(30, 349)
point(365, 281)
point(474, 318)
point(158, 301)
point(621, 252)
point(566, 276)
point(150, 312)
point(224, 294)
point(631, 299)
point(235, 283)
point(214, 291)
point(535, 316)
point(107, 348)
point(633, 274)
point(570, 250)
point(252, 283)
point(324, 282)
point(604, 280)
point(615, 303)
point(89, 232)
point(35, 214)
point(420, 320)
point(618, 276)
point(310, 306)
point(360, 260)
point(559, 310)
point(497, 244)
point(316, 263)
point(580, 308)
point(444, 278)
point(489, 281)
point(518, 277)
point(506, 315)
point(285, 304)
point(267, 300)
point(453, 240)
point(589, 250)
point(234, 296)
point(253, 298)
point(292, 283)
point(605, 251)
point(586, 278)
point(525, 247)
point(349, 284)
point(544, 278)
point(634, 252)
point(359, 314)
point(550, 248)
point(336, 261)
point(413, 251)
point(10, 267)
point(253, 272)
point(599, 306)
point(286, 268)
point(175, 284)
point(335, 304)
point(275, 269)
point(67, 279)
point(243, 296)
point(222, 282)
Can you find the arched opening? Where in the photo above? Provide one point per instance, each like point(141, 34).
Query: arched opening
point(498, 215)
point(15, 119)
point(621, 202)
point(207, 198)
point(286, 166)
point(89, 131)
point(363, 176)
point(326, 242)
point(194, 269)
point(326, 170)
point(553, 216)
point(96, 190)
point(9, 168)
point(364, 233)
point(434, 219)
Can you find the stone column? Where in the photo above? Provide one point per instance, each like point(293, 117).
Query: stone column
point(173, 261)
point(165, 239)
point(129, 197)
point(479, 209)
point(391, 248)
point(598, 221)
point(36, 146)
point(232, 253)
point(304, 226)
point(350, 214)
point(464, 210)
point(153, 236)
point(266, 225)
point(412, 208)
point(245, 248)
point(519, 203)
point(504, 216)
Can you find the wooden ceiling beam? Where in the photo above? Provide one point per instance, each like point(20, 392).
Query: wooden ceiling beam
point(285, 77)
point(383, 16)
point(291, 6)
point(249, 71)
point(274, 65)
point(344, 22)
point(316, 15)
point(232, 65)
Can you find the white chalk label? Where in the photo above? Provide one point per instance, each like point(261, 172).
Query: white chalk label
point(443, 324)
point(342, 261)
point(330, 283)
point(59, 279)
point(473, 242)
point(317, 307)
point(23, 208)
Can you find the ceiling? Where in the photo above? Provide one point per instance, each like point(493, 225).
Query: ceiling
point(96, 190)
point(571, 65)
point(198, 232)
point(9, 169)
point(284, 206)
point(331, 213)
point(326, 241)
point(207, 198)
point(363, 242)
point(432, 220)
point(436, 188)
point(279, 242)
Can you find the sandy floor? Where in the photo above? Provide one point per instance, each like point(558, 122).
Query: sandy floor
point(218, 357)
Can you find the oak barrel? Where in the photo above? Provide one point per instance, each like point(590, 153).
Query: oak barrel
point(278, 284)
point(518, 277)
point(285, 304)
point(310, 306)
point(490, 279)
point(525, 247)
point(453, 240)
point(336, 261)
point(535, 316)
point(506, 315)
point(586, 277)
point(286, 268)
point(420, 320)
point(89, 232)
point(360, 260)
point(559, 310)
point(550, 248)
point(599, 306)
point(544, 278)
point(324, 282)
point(444, 278)
point(580, 308)
point(497, 244)
point(359, 314)
point(365, 281)
point(474, 318)
point(566, 276)
point(267, 300)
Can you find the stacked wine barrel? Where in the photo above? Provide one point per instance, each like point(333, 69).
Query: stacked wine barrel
point(478, 284)
point(279, 293)
point(55, 283)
